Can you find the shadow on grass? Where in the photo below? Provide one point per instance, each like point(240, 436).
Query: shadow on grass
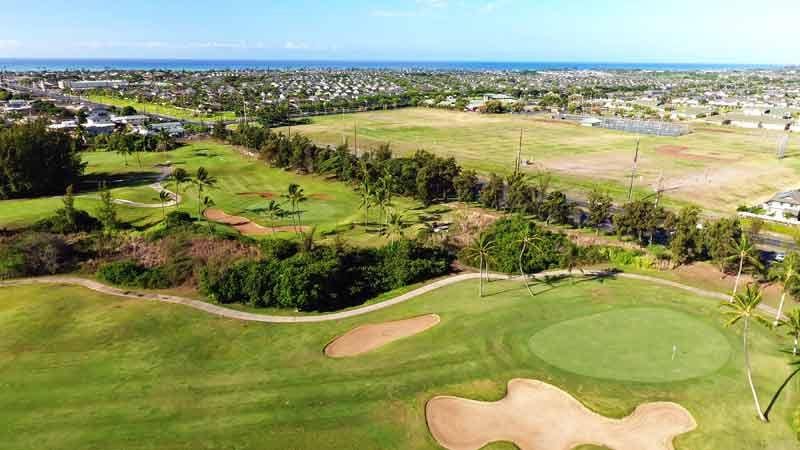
point(91, 183)
point(553, 282)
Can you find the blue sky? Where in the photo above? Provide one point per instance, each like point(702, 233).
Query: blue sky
point(730, 31)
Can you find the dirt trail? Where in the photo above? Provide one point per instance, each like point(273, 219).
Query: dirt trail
point(253, 317)
point(537, 416)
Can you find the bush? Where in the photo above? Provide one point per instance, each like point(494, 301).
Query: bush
point(178, 219)
point(33, 254)
point(323, 279)
point(630, 258)
point(60, 223)
point(130, 274)
point(507, 234)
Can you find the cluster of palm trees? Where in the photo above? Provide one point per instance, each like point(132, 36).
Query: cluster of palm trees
point(201, 182)
point(127, 144)
point(743, 307)
point(378, 194)
point(482, 249)
point(274, 211)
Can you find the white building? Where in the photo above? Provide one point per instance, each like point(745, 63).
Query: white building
point(92, 84)
point(783, 204)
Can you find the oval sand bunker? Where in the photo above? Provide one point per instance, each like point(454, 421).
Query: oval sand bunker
point(365, 338)
point(537, 416)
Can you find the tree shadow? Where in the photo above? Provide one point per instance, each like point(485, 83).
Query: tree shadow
point(91, 183)
point(552, 282)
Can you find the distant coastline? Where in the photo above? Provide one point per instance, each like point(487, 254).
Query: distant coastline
point(56, 64)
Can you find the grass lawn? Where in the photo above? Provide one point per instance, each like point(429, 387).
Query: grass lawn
point(84, 370)
point(162, 110)
point(330, 205)
point(717, 168)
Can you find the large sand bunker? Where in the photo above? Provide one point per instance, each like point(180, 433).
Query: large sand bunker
point(537, 416)
point(369, 337)
point(245, 225)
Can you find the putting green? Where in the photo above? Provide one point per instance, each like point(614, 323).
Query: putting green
point(635, 344)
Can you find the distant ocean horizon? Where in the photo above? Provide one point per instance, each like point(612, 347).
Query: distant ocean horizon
point(64, 64)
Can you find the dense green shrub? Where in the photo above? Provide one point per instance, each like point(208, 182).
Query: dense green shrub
point(61, 223)
point(279, 248)
point(325, 278)
point(131, 274)
point(178, 219)
point(32, 254)
point(37, 161)
point(507, 234)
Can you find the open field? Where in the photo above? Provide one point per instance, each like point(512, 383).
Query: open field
point(243, 188)
point(716, 168)
point(84, 370)
point(162, 110)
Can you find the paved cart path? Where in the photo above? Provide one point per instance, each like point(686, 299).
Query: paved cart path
point(255, 317)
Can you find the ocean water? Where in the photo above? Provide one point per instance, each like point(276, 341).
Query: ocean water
point(26, 65)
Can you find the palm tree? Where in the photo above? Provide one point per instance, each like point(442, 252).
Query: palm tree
point(179, 176)
point(164, 197)
point(202, 180)
point(294, 194)
point(481, 248)
point(792, 323)
point(746, 253)
point(744, 307)
point(273, 211)
point(788, 272)
point(366, 199)
point(528, 240)
point(394, 226)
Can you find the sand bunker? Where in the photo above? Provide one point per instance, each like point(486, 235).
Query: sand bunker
point(369, 337)
point(247, 226)
point(537, 416)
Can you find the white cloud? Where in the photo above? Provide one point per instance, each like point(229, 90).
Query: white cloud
point(390, 13)
point(9, 44)
point(292, 45)
point(432, 3)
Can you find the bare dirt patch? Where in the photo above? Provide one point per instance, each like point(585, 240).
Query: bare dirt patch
point(537, 416)
point(267, 195)
point(321, 196)
point(366, 338)
point(246, 226)
point(683, 152)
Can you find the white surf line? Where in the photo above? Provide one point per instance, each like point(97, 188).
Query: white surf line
point(267, 318)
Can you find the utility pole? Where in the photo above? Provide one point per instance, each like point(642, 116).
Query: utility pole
point(518, 162)
point(355, 137)
point(633, 169)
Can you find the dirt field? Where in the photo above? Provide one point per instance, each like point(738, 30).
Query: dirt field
point(369, 337)
point(537, 416)
point(716, 168)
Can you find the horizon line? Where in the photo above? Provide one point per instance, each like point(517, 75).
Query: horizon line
point(399, 60)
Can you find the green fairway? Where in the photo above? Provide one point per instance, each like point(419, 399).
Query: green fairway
point(636, 344)
point(83, 370)
point(717, 168)
point(240, 183)
point(162, 110)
